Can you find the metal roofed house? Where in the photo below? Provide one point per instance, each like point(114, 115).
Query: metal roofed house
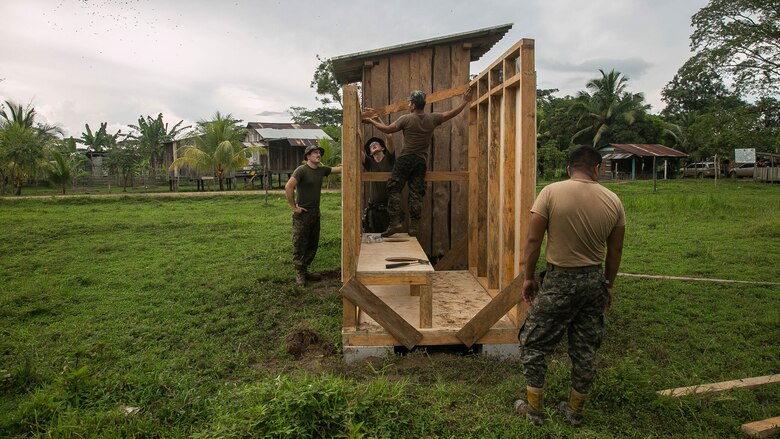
point(636, 160)
point(285, 143)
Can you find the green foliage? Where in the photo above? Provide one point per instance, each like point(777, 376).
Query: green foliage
point(315, 407)
point(216, 149)
point(325, 84)
point(23, 144)
point(122, 160)
point(605, 106)
point(151, 134)
point(323, 116)
point(100, 140)
point(63, 168)
point(739, 38)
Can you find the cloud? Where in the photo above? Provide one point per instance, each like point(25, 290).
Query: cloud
point(634, 68)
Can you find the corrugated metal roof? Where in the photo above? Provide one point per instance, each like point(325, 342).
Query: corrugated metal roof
point(292, 133)
point(349, 68)
point(647, 150)
point(616, 156)
point(283, 126)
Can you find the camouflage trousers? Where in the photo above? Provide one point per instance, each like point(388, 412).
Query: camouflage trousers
point(306, 238)
point(375, 218)
point(411, 169)
point(567, 302)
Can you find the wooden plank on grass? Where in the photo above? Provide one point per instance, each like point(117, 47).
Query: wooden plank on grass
point(493, 312)
point(747, 383)
point(372, 305)
point(765, 428)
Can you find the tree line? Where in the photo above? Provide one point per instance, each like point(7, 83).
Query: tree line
point(724, 97)
point(30, 150)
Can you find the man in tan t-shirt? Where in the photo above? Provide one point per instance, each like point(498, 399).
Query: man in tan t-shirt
point(417, 127)
point(580, 218)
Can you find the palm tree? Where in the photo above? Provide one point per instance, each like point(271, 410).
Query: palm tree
point(151, 134)
point(217, 148)
point(100, 140)
point(62, 168)
point(22, 143)
point(605, 104)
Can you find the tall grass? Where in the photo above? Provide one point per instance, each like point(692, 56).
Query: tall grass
point(168, 317)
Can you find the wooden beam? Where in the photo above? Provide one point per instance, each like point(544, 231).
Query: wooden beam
point(372, 305)
point(426, 305)
point(765, 428)
point(473, 193)
point(429, 176)
point(351, 187)
point(431, 337)
point(494, 208)
point(404, 105)
point(509, 160)
point(744, 383)
point(491, 313)
point(453, 256)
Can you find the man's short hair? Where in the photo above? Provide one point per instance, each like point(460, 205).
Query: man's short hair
point(417, 98)
point(584, 157)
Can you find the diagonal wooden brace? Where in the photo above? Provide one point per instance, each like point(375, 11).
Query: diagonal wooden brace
point(404, 105)
point(358, 294)
point(481, 323)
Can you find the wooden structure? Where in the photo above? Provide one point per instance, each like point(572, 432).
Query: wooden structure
point(493, 184)
point(437, 65)
point(637, 161)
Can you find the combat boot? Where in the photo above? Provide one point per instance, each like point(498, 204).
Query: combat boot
point(300, 278)
point(413, 227)
point(572, 410)
point(392, 230)
point(533, 406)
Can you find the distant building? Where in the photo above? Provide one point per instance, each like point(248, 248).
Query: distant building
point(285, 143)
point(635, 160)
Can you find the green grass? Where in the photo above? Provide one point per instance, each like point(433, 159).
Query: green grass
point(182, 307)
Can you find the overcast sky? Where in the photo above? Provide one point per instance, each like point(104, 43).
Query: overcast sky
point(93, 61)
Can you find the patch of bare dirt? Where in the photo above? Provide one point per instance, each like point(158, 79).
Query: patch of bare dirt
point(304, 342)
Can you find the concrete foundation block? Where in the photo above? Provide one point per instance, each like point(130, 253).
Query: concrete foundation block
point(360, 353)
point(510, 351)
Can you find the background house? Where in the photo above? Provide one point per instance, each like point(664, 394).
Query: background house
point(285, 143)
point(635, 161)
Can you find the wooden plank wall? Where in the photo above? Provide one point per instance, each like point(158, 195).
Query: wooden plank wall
point(459, 159)
point(391, 79)
point(502, 145)
point(440, 156)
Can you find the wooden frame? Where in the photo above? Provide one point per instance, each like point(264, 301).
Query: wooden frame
point(496, 191)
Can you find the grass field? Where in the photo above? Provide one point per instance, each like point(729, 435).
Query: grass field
point(141, 316)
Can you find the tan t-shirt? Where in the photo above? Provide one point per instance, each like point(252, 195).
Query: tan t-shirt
point(418, 130)
point(580, 216)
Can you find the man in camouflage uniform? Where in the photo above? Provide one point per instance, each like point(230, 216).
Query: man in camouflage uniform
point(305, 205)
point(417, 127)
point(580, 218)
point(377, 157)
